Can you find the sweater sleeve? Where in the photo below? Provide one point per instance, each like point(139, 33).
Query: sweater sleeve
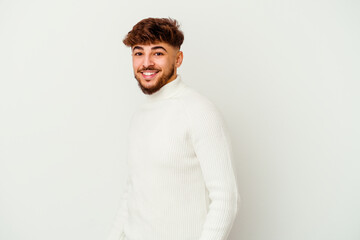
point(117, 230)
point(212, 146)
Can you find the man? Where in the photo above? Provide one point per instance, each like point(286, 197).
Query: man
point(181, 183)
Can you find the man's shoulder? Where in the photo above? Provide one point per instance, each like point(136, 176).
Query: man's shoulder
point(197, 104)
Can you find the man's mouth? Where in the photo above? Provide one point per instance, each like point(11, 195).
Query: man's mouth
point(149, 74)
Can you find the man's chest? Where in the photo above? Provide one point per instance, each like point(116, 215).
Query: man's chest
point(158, 134)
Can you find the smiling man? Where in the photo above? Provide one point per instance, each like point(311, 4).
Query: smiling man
point(155, 65)
point(181, 183)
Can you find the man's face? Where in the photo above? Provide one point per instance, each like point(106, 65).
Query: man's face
point(155, 65)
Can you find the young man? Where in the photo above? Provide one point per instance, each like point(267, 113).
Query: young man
point(181, 183)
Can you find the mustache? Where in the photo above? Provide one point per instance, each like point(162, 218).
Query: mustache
point(148, 68)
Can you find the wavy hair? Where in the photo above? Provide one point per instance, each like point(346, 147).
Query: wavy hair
point(152, 30)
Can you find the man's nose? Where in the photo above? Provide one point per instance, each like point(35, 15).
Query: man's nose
point(148, 61)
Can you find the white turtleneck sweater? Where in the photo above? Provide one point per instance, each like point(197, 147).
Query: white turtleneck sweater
point(181, 183)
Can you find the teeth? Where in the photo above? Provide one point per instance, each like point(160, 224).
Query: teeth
point(148, 73)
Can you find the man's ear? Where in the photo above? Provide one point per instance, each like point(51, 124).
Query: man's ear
point(179, 58)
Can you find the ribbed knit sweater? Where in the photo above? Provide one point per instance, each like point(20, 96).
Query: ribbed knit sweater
point(181, 183)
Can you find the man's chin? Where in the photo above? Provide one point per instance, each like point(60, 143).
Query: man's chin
point(148, 86)
point(149, 83)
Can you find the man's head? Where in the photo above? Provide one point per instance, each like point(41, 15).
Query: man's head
point(155, 44)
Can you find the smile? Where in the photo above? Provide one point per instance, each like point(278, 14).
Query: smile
point(149, 74)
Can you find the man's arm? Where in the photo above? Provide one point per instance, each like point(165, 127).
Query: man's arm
point(213, 149)
point(117, 230)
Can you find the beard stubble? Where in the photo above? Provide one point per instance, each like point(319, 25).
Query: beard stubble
point(159, 84)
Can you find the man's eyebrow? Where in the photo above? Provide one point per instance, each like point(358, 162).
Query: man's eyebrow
point(158, 47)
point(153, 48)
point(137, 47)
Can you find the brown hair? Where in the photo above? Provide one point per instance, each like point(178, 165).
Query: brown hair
point(152, 30)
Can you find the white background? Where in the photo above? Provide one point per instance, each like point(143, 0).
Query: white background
point(285, 75)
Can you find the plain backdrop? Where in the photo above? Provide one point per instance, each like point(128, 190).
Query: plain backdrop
point(285, 75)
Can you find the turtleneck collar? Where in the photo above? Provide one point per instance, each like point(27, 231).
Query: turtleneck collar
point(167, 91)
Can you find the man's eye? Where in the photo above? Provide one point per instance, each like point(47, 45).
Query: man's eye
point(158, 54)
point(138, 54)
